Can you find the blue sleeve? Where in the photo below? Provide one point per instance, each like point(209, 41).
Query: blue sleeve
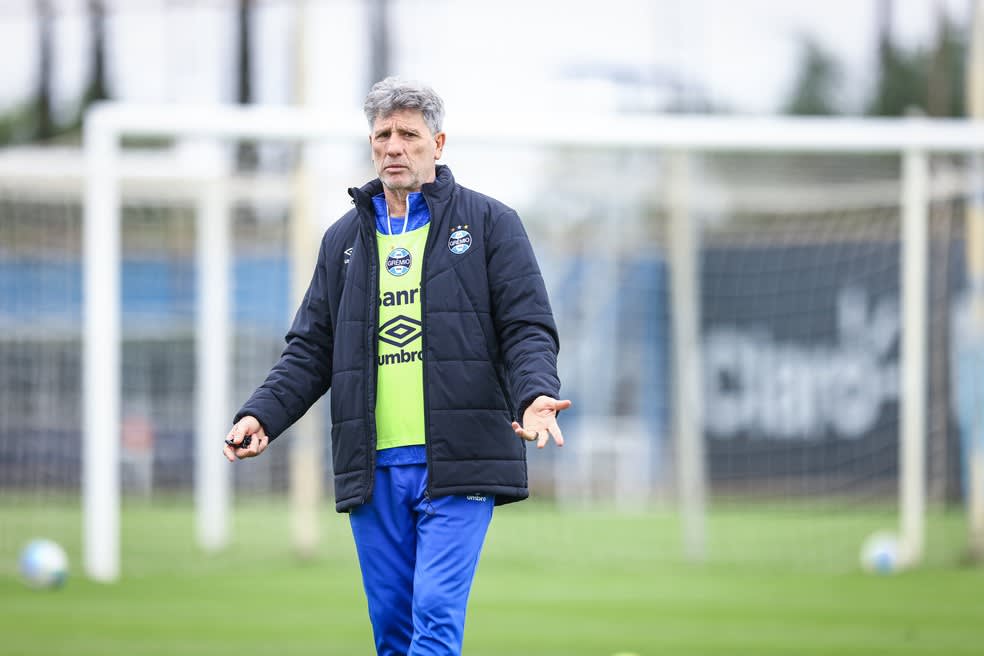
point(521, 313)
point(303, 373)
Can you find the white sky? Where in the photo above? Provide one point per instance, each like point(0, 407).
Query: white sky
point(475, 53)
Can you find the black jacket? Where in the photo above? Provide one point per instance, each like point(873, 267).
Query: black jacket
point(489, 342)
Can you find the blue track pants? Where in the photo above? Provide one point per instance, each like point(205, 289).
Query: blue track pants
point(418, 559)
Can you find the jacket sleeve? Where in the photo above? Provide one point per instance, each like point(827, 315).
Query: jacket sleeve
point(521, 313)
point(303, 373)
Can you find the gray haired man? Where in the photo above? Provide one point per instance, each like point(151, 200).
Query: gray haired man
point(428, 318)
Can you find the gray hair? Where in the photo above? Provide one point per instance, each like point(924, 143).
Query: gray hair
point(393, 94)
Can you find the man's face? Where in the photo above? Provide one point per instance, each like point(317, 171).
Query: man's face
point(404, 150)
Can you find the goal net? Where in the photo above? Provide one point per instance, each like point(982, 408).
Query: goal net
point(798, 267)
point(732, 315)
point(42, 336)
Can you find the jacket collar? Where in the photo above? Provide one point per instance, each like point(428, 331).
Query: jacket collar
point(439, 190)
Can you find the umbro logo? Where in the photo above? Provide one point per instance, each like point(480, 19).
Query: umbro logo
point(348, 255)
point(399, 331)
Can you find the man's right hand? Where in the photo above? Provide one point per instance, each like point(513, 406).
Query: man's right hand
point(248, 425)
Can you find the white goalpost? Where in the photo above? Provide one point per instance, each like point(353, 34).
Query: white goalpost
point(913, 140)
point(204, 179)
point(201, 183)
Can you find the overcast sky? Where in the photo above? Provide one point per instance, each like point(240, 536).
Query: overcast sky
point(536, 53)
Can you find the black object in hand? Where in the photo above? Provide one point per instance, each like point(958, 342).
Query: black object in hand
point(242, 445)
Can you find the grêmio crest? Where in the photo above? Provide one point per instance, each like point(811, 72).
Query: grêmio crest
point(398, 262)
point(460, 240)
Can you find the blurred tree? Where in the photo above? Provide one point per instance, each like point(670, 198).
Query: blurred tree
point(814, 93)
point(45, 128)
point(379, 39)
point(34, 120)
point(96, 89)
point(247, 155)
point(946, 95)
point(927, 79)
point(17, 125)
point(901, 83)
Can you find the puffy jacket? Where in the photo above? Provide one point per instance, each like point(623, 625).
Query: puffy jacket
point(489, 342)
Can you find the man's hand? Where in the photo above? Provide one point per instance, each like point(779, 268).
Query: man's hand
point(248, 425)
point(540, 421)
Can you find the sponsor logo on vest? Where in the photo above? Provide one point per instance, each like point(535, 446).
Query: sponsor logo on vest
point(399, 331)
point(398, 262)
point(348, 255)
point(401, 297)
point(402, 357)
point(459, 241)
point(476, 497)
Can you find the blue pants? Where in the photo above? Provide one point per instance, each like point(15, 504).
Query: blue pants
point(418, 559)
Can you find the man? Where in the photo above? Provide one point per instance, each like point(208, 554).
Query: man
point(429, 320)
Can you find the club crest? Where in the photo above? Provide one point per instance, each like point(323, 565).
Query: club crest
point(459, 241)
point(398, 262)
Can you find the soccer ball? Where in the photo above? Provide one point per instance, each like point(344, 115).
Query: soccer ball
point(43, 564)
point(880, 553)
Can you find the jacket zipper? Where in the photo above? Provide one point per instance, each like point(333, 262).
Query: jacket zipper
point(429, 246)
point(372, 339)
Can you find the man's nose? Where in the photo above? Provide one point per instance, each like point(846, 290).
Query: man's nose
point(394, 146)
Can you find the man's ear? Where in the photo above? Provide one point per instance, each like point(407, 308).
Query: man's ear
point(439, 139)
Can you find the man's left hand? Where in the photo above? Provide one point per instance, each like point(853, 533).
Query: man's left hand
point(540, 421)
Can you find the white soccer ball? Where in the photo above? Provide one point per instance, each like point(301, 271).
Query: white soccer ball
point(881, 553)
point(43, 564)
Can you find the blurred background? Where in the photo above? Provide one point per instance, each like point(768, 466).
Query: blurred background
point(796, 318)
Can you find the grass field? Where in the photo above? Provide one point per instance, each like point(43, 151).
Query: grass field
point(549, 584)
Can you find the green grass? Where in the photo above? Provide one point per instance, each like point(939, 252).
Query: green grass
point(565, 584)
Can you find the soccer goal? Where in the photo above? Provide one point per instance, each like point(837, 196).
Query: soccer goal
point(765, 322)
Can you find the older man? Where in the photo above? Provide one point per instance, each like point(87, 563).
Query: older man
point(428, 318)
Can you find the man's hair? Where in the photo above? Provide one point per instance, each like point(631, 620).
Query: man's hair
point(394, 93)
